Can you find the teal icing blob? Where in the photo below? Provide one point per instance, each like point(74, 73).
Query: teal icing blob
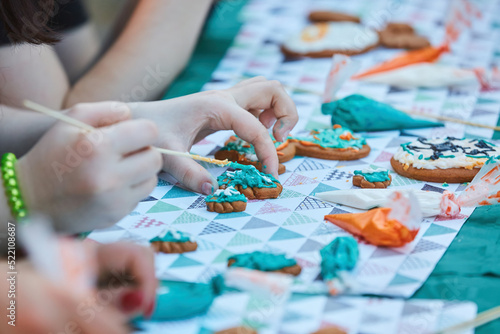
point(230, 194)
point(331, 138)
point(246, 176)
point(339, 255)
point(240, 146)
point(360, 113)
point(181, 300)
point(172, 236)
point(262, 261)
point(378, 176)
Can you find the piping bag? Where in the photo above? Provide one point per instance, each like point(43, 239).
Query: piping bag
point(338, 258)
point(483, 190)
point(392, 226)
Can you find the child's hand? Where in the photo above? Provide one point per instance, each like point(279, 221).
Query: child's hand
point(42, 307)
point(248, 108)
point(84, 181)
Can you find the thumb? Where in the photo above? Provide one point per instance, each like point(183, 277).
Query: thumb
point(191, 174)
point(101, 114)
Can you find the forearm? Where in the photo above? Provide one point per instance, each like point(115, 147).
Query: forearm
point(20, 130)
point(151, 51)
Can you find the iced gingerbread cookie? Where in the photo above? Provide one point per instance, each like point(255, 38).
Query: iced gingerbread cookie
point(226, 201)
point(171, 241)
point(332, 16)
point(238, 150)
point(265, 262)
point(326, 39)
point(402, 36)
point(448, 159)
point(336, 143)
point(371, 178)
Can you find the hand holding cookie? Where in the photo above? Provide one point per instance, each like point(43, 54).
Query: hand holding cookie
point(248, 108)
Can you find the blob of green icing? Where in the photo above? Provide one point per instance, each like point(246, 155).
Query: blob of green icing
point(262, 261)
point(339, 255)
point(172, 236)
point(246, 176)
point(381, 176)
point(181, 300)
point(229, 194)
point(330, 138)
point(360, 113)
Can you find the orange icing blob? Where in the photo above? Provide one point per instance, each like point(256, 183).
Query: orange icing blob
point(375, 227)
point(315, 32)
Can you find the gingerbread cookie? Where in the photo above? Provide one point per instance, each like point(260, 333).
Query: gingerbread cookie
point(371, 178)
point(226, 201)
point(326, 39)
point(402, 36)
point(330, 330)
point(268, 262)
point(332, 16)
point(448, 160)
point(336, 143)
point(173, 242)
point(237, 150)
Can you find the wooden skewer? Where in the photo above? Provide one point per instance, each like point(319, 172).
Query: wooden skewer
point(79, 124)
point(481, 319)
point(451, 119)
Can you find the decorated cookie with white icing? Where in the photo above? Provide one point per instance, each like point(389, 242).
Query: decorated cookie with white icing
point(450, 160)
point(326, 39)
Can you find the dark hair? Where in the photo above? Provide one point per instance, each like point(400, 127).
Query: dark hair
point(27, 21)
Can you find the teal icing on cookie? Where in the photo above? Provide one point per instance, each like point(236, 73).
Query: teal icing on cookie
point(172, 236)
point(374, 175)
point(407, 150)
point(334, 138)
point(262, 261)
point(339, 255)
point(230, 194)
point(240, 146)
point(181, 300)
point(246, 176)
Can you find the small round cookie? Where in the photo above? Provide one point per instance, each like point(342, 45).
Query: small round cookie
point(173, 242)
point(372, 178)
point(449, 160)
point(322, 40)
point(402, 36)
point(399, 28)
point(267, 262)
point(332, 16)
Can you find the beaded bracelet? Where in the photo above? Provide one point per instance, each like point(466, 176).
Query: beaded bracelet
point(12, 192)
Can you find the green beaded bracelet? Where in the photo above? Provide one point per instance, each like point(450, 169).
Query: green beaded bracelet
point(12, 192)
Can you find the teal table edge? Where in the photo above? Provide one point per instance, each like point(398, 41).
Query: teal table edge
point(470, 268)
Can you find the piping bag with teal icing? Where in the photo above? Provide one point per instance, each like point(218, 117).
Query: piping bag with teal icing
point(358, 112)
point(483, 190)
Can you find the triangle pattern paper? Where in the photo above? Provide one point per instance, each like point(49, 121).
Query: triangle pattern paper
point(321, 188)
point(414, 263)
point(184, 261)
point(425, 245)
point(270, 207)
point(163, 183)
point(223, 256)
point(255, 223)
point(287, 193)
point(298, 219)
point(384, 157)
point(297, 179)
point(401, 279)
point(428, 187)
point(163, 207)
point(284, 234)
point(384, 252)
point(337, 174)
point(336, 211)
point(177, 192)
point(187, 218)
point(310, 246)
point(231, 215)
point(241, 239)
point(309, 164)
point(310, 203)
point(149, 199)
point(199, 203)
point(215, 227)
point(436, 229)
point(411, 309)
point(333, 305)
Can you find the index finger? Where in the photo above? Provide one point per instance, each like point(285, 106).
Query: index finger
point(269, 95)
point(248, 128)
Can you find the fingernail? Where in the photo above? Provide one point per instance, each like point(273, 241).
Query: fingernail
point(285, 135)
point(207, 188)
point(149, 311)
point(131, 301)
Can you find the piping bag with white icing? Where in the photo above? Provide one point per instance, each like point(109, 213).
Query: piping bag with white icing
point(483, 190)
